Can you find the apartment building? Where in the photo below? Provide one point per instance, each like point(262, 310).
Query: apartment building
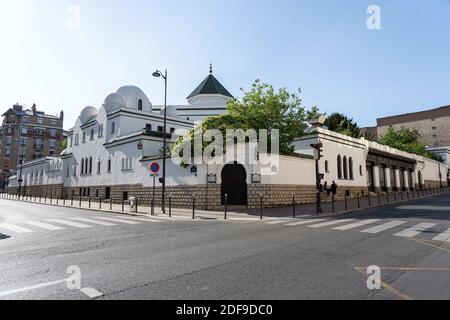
point(27, 135)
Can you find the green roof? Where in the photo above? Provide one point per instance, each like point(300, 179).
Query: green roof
point(210, 86)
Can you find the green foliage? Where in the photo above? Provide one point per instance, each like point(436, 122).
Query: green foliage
point(340, 123)
point(63, 144)
point(262, 107)
point(408, 140)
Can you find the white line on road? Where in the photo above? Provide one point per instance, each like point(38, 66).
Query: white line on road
point(38, 286)
point(414, 231)
point(304, 222)
point(384, 227)
point(117, 220)
point(13, 228)
point(278, 221)
point(42, 225)
point(356, 225)
point(91, 293)
point(330, 223)
point(444, 237)
point(70, 223)
point(101, 223)
point(142, 219)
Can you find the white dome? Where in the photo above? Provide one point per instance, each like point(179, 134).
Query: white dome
point(113, 102)
point(88, 113)
point(134, 97)
point(171, 111)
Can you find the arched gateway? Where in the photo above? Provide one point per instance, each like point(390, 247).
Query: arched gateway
point(234, 184)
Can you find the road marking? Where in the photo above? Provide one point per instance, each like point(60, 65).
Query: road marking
point(70, 223)
point(13, 228)
point(384, 227)
point(117, 220)
point(444, 237)
point(304, 222)
point(91, 293)
point(432, 208)
point(45, 226)
point(414, 231)
point(142, 219)
point(38, 286)
point(356, 225)
point(330, 223)
point(277, 221)
point(426, 243)
point(101, 223)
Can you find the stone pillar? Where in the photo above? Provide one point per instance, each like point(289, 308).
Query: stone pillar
point(405, 174)
point(376, 178)
point(397, 179)
point(413, 177)
point(388, 179)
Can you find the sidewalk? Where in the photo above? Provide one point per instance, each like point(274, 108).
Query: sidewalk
point(242, 214)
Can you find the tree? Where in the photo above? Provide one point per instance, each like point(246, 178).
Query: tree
point(262, 107)
point(408, 140)
point(340, 123)
point(63, 144)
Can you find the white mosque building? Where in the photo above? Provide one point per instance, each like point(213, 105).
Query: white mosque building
point(111, 147)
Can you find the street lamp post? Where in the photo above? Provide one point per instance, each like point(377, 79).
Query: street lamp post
point(318, 150)
point(158, 74)
point(20, 180)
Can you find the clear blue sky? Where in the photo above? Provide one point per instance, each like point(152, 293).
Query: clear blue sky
point(322, 46)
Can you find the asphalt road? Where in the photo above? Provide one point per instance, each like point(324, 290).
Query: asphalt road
point(123, 257)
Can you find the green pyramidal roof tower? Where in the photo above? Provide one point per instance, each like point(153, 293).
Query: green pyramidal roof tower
point(210, 86)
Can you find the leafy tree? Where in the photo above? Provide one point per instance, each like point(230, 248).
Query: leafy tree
point(340, 123)
point(408, 140)
point(262, 107)
point(63, 144)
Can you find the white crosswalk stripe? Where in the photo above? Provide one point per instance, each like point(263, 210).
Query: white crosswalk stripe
point(118, 220)
point(384, 227)
point(277, 221)
point(303, 222)
point(143, 219)
point(416, 230)
point(356, 225)
point(14, 228)
point(70, 223)
point(45, 226)
point(444, 237)
point(101, 223)
point(330, 223)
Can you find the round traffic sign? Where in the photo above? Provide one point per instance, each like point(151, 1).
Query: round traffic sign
point(155, 167)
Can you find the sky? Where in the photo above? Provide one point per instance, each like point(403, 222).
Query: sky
point(65, 55)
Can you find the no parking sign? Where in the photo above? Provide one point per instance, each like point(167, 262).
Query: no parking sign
point(155, 168)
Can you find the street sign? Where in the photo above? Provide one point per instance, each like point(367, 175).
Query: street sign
point(20, 180)
point(155, 167)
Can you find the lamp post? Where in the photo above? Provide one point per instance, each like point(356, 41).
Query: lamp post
point(20, 180)
point(317, 156)
point(158, 74)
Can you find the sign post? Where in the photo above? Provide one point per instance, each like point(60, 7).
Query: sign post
point(154, 169)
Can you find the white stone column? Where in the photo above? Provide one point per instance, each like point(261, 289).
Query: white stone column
point(405, 174)
point(397, 179)
point(413, 177)
point(376, 177)
point(387, 175)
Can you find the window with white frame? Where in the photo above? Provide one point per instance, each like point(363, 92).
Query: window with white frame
point(83, 139)
point(52, 143)
point(8, 140)
point(100, 130)
point(113, 127)
point(7, 152)
point(70, 142)
point(77, 137)
point(24, 130)
point(53, 133)
point(109, 165)
point(23, 141)
point(98, 166)
point(92, 134)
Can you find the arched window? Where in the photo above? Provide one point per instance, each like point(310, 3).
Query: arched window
point(326, 166)
point(140, 104)
point(82, 166)
point(86, 166)
point(345, 164)
point(350, 167)
point(360, 171)
point(420, 180)
point(339, 166)
point(90, 165)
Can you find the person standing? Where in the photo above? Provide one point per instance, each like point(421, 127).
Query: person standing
point(334, 190)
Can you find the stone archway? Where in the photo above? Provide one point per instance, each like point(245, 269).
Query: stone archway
point(234, 184)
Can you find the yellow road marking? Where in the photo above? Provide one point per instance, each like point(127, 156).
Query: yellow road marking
point(431, 243)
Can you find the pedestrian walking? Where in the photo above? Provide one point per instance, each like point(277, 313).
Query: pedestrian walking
point(334, 190)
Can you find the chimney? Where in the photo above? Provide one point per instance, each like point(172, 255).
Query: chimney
point(33, 108)
point(61, 115)
point(318, 123)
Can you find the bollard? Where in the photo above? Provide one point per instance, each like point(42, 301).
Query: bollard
point(51, 199)
point(64, 201)
point(370, 200)
point(110, 203)
point(89, 202)
point(45, 200)
point(379, 197)
point(293, 206)
point(261, 206)
point(57, 200)
point(193, 206)
point(123, 205)
point(332, 204)
point(170, 206)
point(136, 211)
point(152, 205)
point(40, 198)
point(100, 203)
point(80, 202)
point(71, 201)
point(226, 206)
point(387, 197)
point(359, 203)
point(345, 202)
point(401, 195)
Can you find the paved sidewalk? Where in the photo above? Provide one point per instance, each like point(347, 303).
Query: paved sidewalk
point(243, 214)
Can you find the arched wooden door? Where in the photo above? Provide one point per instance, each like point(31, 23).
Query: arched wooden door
point(234, 184)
